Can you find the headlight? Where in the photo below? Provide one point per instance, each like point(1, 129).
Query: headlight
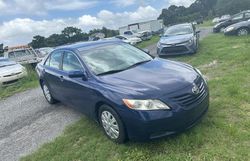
point(229, 29)
point(145, 104)
point(199, 72)
point(158, 45)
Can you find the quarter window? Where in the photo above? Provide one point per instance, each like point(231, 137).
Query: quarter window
point(70, 62)
point(55, 60)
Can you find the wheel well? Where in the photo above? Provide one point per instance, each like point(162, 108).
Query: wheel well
point(41, 82)
point(97, 106)
point(248, 29)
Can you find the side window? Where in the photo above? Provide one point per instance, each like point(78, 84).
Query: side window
point(70, 62)
point(247, 15)
point(55, 60)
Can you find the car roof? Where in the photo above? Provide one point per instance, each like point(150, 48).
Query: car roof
point(80, 46)
point(182, 24)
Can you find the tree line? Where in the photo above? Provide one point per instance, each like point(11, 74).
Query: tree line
point(67, 36)
point(205, 9)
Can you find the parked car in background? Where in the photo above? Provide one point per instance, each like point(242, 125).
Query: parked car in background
point(42, 52)
point(132, 34)
point(224, 18)
point(129, 40)
point(145, 35)
point(216, 20)
point(179, 39)
point(242, 16)
point(240, 29)
point(127, 91)
point(10, 71)
point(23, 55)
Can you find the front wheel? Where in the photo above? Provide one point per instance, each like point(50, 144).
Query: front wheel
point(242, 32)
point(112, 124)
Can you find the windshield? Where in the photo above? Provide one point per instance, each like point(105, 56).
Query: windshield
point(114, 58)
point(6, 62)
point(178, 30)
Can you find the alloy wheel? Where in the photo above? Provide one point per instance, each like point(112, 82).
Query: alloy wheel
point(242, 32)
point(110, 125)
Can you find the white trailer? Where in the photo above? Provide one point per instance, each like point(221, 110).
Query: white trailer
point(152, 26)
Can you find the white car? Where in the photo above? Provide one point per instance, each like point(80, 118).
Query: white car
point(130, 40)
point(10, 72)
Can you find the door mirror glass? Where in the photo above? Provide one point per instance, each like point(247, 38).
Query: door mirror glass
point(77, 74)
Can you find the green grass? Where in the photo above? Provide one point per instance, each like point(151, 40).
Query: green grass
point(207, 23)
point(28, 82)
point(222, 135)
point(152, 41)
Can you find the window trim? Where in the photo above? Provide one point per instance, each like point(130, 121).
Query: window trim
point(49, 58)
point(68, 51)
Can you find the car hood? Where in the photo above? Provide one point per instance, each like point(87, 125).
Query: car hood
point(175, 39)
point(10, 69)
point(155, 78)
point(241, 24)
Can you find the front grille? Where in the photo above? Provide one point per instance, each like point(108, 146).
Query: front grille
point(190, 98)
point(12, 74)
point(174, 49)
point(10, 82)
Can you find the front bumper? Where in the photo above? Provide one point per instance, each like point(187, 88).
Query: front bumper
point(228, 33)
point(9, 79)
point(145, 125)
point(178, 49)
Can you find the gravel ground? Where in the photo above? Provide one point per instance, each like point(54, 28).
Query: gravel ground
point(27, 121)
point(205, 31)
point(24, 120)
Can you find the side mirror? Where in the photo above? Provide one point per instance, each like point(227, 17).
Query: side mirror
point(146, 51)
point(77, 74)
point(198, 31)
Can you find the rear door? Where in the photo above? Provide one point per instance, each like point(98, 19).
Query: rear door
point(52, 74)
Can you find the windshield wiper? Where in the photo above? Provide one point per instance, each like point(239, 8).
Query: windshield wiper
point(111, 72)
point(139, 63)
point(120, 70)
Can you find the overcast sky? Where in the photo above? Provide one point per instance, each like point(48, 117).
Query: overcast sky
point(20, 20)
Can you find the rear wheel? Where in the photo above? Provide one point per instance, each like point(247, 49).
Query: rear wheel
point(242, 32)
point(47, 94)
point(112, 124)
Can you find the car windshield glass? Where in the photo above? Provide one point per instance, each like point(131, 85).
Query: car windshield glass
point(178, 30)
point(114, 58)
point(6, 62)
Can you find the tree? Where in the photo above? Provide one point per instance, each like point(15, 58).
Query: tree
point(38, 42)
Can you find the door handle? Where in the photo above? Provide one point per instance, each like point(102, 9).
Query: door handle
point(61, 78)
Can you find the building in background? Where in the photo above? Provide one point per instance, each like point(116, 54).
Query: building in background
point(153, 26)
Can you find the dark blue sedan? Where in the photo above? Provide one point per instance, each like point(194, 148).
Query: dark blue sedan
point(130, 93)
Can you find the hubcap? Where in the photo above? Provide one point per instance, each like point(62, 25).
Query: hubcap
point(242, 32)
point(46, 92)
point(110, 124)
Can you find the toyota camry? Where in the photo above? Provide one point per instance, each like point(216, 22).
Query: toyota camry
point(131, 94)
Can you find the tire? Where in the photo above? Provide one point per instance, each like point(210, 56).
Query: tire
point(111, 124)
point(47, 94)
point(242, 32)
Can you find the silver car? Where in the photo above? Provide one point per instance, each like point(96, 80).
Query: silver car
point(10, 72)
